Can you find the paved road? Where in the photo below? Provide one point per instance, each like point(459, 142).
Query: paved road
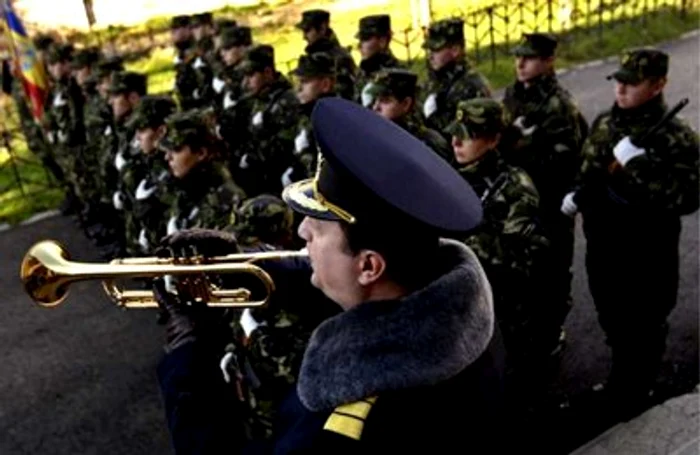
point(80, 378)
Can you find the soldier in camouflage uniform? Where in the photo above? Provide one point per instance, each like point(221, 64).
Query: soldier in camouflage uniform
point(315, 24)
point(186, 52)
point(374, 35)
point(510, 241)
point(205, 60)
point(548, 134)
point(204, 195)
point(395, 94)
point(260, 162)
point(451, 78)
point(632, 191)
point(63, 120)
point(148, 179)
point(316, 77)
point(228, 84)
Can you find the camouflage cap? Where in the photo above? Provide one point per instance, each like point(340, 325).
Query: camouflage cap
point(477, 117)
point(236, 36)
point(371, 26)
point(151, 112)
point(127, 82)
point(265, 217)
point(396, 82)
point(108, 66)
point(536, 45)
point(193, 128)
point(59, 52)
point(444, 33)
point(43, 42)
point(313, 18)
point(86, 57)
point(202, 19)
point(258, 58)
point(640, 64)
point(180, 21)
point(317, 64)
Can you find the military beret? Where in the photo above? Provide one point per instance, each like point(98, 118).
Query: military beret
point(374, 173)
point(315, 65)
point(43, 42)
point(180, 21)
point(313, 18)
point(444, 33)
point(193, 128)
point(477, 117)
point(151, 112)
point(640, 64)
point(236, 36)
point(86, 57)
point(371, 26)
point(536, 45)
point(59, 52)
point(396, 82)
point(127, 81)
point(265, 217)
point(202, 19)
point(258, 58)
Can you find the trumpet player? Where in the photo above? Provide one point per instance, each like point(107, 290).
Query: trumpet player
point(413, 362)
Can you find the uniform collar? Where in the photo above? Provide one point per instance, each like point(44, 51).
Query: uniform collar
point(452, 70)
point(379, 347)
point(540, 87)
point(645, 115)
point(378, 61)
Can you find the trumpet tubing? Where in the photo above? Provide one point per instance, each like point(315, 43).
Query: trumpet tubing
point(47, 273)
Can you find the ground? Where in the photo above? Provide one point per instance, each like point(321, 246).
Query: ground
point(80, 378)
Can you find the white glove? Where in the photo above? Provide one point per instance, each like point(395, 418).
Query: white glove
point(625, 150)
point(518, 123)
point(258, 119)
point(118, 200)
point(248, 322)
point(367, 98)
point(301, 142)
point(243, 164)
point(218, 84)
point(143, 241)
point(287, 177)
point(119, 161)
point(430, 105)
point(568, 206)
point(223, 364)
point(228, 101)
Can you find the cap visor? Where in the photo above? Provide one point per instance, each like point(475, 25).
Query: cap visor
point(625, 77)
point(299, 197)
point(524, 51)
point(457, 129)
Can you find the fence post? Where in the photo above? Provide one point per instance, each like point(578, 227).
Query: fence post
point(550, 16)
point(492, 38)
point(407, 43)
point(601, 8)
point(7, 144)
point(506, 19)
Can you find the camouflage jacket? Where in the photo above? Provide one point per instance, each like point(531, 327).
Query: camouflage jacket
point(415, 125)
point(509, 241)
point(64, 121)
point(550, 154)
point(446, 88)
point(272, 128)
point(204, 198)
point(151, 199)
point(663, 180)
point(186, 78)
point(203, 65)
point(305, 151)
point(346, 69)
point(98, 118)
point(370, 66)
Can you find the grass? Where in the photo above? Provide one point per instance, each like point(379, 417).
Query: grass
point(276, 26)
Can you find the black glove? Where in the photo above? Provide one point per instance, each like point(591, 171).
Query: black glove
point(204, 242)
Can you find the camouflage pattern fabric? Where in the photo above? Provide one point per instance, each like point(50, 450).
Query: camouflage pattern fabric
point(369, 67)
point(98, 118)
point(346, 69)
point(640, 64)
point(455, 82)
point(414, 124)
point(186, 78)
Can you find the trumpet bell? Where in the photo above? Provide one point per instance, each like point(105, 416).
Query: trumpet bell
point(40, 273)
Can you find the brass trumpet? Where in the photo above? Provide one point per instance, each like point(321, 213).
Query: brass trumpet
point(47, 272)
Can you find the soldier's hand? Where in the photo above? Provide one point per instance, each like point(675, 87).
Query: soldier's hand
point(625, 150)
point(179, 322)
point(519, 123)
point(204, 242)
point(568, 206)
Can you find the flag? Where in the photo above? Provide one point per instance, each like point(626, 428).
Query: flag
point(31, 69)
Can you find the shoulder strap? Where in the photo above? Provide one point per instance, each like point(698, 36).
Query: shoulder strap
point(349, 419)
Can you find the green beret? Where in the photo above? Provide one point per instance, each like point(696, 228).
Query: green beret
point(193, 128)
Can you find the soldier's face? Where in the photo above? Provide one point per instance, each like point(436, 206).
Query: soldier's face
point(467, 150)
point(528, 68)
point(372, 46)
point(312, 35)
point(254, 82)
point(311, 88)
point(202, 31)
point(183, 160)
point(103, 87)
point(81, 75)
point(59, 70)
point(391, 108)
point(439, 58)
point(120, 105)
point(233, 55)
point(180, 34)
point(148, 139)
point(336, 271)
point(628, 96)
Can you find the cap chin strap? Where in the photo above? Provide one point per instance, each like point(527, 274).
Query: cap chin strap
point(343, 214)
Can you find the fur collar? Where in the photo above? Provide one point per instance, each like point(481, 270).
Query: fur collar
point(420, 340)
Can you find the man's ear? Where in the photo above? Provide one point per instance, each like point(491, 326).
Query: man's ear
point(161, 131)
point(658, 86)
point(372, 267)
